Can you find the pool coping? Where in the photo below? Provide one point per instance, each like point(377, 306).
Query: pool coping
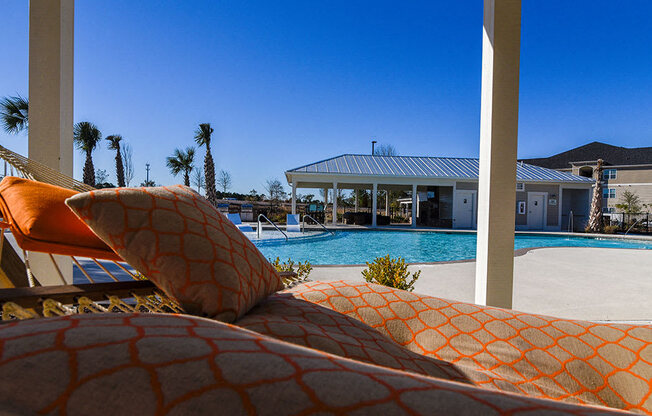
point(517, 253)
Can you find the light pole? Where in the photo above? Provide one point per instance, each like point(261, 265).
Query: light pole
point(147, 169)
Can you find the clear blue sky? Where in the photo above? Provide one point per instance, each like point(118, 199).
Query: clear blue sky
point(288, 83)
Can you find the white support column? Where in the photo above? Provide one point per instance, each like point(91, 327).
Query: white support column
point(334, 203)
point(414, 205)
point(294, 197)
point(374, 204)
point(387, 203)
point(498, 143)
point(355, 193)
point(51, 47)
point(51, 83)
point(559, 207)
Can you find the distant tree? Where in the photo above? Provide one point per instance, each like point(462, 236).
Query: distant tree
point(87, 136)
point(13, 111)
point(224, 180)
point(127, 159)
point(203, 138)
point(198, 178)
point(253, 196)
point(101, 176)
point(275, 191)
point(386, 150)
point(148, 183)
point(114, 144)
point(308, 198)
point(182, 162)
point(630, 203)
point(595, 214)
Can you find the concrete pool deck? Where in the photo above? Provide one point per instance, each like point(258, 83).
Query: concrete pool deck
point(601, 284)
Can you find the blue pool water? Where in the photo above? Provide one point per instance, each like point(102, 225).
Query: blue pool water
point(358, 247)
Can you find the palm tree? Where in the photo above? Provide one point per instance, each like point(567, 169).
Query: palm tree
point(13, 111)
point(114, 144)
point(203, 138)
point(182, 162)
point(595, 214)
point(87, 136)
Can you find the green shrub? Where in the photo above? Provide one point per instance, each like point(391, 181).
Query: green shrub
point(302, 269)
point(390, 272)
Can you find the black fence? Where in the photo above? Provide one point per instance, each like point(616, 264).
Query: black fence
point(633, 223)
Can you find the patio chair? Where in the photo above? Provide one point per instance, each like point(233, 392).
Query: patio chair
point(292, 223)
point(235, 219)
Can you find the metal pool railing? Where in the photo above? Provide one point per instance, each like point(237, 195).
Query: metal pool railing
point(260, 226)
point(303, 224)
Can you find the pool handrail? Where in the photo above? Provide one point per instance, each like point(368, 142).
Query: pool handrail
point(258, 229)
point(303, 224)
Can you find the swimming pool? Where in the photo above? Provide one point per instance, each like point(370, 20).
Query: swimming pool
point(358, 247)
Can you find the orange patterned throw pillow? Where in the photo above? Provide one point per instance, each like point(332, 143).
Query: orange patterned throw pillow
point(178, 240)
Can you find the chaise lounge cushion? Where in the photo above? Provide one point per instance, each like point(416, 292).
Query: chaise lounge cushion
point(182, 243)
point(149, 364)
point(575, 361)
point(41, 221)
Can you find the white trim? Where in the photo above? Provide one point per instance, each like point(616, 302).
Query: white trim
point(628, 184)
point(560, 205)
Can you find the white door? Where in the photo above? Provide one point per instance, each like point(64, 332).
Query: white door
point(464, 209)
point(535, 211)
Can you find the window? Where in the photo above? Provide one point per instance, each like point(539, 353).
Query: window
point(609, 193)
point(609, 174)
point(608, 210)
point(520, 186)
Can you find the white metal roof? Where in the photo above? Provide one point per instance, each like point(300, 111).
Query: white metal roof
point(426, 167)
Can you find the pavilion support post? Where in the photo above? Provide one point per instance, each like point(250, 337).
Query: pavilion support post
point(374, 204)
point(355, 193)
point(387, 203)
point(51, 48)
point(498, 143)
point(294, 198)
point(334, 203)
point(414, 205)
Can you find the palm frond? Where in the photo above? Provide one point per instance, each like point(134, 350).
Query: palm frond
point(86, 136)
point(181, 161)
point(203, 134)
point(114, 141)
point(13, 112)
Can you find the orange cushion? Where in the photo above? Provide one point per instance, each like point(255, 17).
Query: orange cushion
point(182, 243)
point(604, 364)
point(41, 221)
point(146, 364)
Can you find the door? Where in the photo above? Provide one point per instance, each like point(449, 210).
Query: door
point(464, 209)
point(535, 210)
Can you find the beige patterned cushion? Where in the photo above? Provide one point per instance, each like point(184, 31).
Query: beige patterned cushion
point(183, 244)
point(575, 361)
point(148, 364)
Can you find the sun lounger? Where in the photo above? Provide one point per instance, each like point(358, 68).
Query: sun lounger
point(235, 218)
point(293, 225)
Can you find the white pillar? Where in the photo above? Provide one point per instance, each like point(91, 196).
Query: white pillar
point(51, 83)
point(294, 197)
point(334, 203)
point(355, 192)
point(374, 204)
point(51, 47)
point(498, 142)
point(387, 203)
point(414, 206)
